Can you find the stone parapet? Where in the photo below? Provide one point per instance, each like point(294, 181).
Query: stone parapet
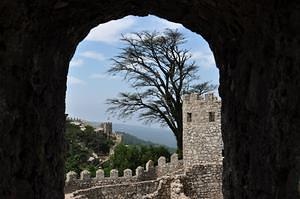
point(199, 181)
point(165, 168)
point(150, 172)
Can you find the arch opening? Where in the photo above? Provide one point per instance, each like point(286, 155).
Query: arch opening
point(91, 61)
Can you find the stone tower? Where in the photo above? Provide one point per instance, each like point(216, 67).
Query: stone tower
point(202, 139)
point(107, 128)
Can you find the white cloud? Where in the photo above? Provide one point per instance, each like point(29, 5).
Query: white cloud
point(76, 62)
point(167, 24)
point(103, 76)
point(93, 55)
point(110, 32)
point(74, 81)
point(204, 59)
point(152, 23)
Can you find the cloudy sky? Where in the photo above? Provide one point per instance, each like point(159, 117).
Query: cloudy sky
point(88, 83)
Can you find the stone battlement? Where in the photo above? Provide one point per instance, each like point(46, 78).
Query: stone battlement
point(204, 180)
point(197, 98)
point(150, 172)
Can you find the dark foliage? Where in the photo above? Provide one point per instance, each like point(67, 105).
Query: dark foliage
point(132, 156)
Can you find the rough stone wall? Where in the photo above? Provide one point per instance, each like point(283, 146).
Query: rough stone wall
point(203, 181)
point(166, 187)
point(202, 138)
point(255, 44)
point(126, 191)
point(174, 166)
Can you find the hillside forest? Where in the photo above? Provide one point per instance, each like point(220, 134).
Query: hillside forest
point(91, 150)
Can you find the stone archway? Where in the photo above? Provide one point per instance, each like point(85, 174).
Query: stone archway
point(255, 44)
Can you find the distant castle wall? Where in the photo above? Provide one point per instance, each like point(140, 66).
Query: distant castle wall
point(202, 139)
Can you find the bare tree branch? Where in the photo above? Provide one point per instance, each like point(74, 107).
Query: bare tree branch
point(161, 71)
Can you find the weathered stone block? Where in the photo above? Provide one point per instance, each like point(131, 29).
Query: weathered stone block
point(71, 176)
point(139, 171)
point(114, 173)
point(174, 158)
point(127, 173)
point(161, 161)
point(100, 174)
point(85, 175)
point(149, 165)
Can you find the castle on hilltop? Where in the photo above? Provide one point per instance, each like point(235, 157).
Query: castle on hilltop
point(105, 128)
point(197, 175)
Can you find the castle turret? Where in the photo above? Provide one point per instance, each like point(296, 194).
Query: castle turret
point(107, 128)
point(202, 139)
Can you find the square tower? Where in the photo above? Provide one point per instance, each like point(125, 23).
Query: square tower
point(202, 139)
point(107, 128)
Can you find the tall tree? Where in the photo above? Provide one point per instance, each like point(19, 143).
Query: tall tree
point(160, 71)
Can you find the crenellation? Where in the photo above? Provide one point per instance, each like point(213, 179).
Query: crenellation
point(161, 161)
point(195, 98)
point(100, 174)
point(141, 174)
point(139, 171)
point(85, 175)
point(114, 173)
point(174, 159)
point(174, 163)
point(210, 97)
point(127, 173)
point(149, 166)
point(161, 167)
point(71, 176)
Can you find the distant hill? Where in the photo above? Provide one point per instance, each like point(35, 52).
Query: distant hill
point(133, 140)
point(155, 135)
point(161, 136)
point(128, 139)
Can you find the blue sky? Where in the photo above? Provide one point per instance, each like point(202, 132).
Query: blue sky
point(89, 85)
